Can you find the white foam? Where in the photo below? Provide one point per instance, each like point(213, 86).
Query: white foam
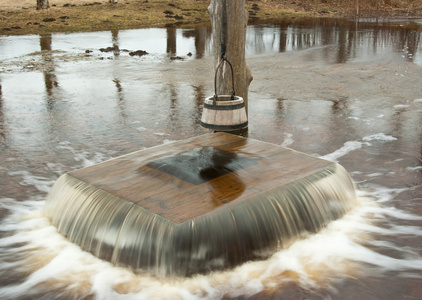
point(346, 149)
point(41, 183)
point(414, 168)
point(379, 137)
point(85, 158)
point(354, 145)
point(168, 141)
point(382, 194)
point(288, 140)
point(316, 262)
point(57, 168)
point(44, 184)
point(374, 175)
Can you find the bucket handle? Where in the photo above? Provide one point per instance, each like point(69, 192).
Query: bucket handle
point(215, 80)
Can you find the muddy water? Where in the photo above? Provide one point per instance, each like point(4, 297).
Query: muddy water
point(344, 91)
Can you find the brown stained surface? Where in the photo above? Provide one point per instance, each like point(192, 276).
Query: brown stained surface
point(178, 200)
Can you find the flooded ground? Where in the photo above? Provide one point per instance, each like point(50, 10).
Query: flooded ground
point(344, 91)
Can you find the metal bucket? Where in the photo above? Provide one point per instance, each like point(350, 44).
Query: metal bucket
point(224, 112)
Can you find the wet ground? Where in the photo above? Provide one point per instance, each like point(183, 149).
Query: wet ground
point(344, 91)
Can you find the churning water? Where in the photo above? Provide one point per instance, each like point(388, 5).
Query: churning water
point(36, 260)
point(353, 99)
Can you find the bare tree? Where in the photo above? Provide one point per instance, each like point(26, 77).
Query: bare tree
point(43, 4)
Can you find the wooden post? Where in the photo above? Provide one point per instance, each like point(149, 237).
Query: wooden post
point(357, 9)
point(229, 19)
point(43, 4)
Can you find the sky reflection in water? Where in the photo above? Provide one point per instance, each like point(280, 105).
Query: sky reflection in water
point(352, 40)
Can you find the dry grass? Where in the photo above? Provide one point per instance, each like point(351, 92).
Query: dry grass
point(97, 15)
point(21, 17)
point(375, 8)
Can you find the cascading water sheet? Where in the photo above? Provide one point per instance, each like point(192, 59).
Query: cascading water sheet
point(207, 203)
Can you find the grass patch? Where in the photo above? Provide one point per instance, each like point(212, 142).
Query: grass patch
point(160, 13)
point(126, 14)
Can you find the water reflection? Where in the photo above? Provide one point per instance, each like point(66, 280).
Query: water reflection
point(121, 101)
point(50, 78)
point(344, 40)
point(119, 79)
point(2, 129)
point(201, 35)
point(199, 95)
point(171, 40)
point(115, 40)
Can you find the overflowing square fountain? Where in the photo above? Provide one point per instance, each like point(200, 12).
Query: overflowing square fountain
point(202, 204)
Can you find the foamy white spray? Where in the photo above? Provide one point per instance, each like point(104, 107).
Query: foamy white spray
point(350, 146)
point(316, 262)
point(288, 140)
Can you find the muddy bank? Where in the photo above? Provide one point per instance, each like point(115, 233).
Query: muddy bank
point(17, 18)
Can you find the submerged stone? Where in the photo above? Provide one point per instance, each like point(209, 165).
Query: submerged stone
point(138, 53)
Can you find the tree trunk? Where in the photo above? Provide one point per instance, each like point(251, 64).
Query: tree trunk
point(229, 19)
point(43, 4)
